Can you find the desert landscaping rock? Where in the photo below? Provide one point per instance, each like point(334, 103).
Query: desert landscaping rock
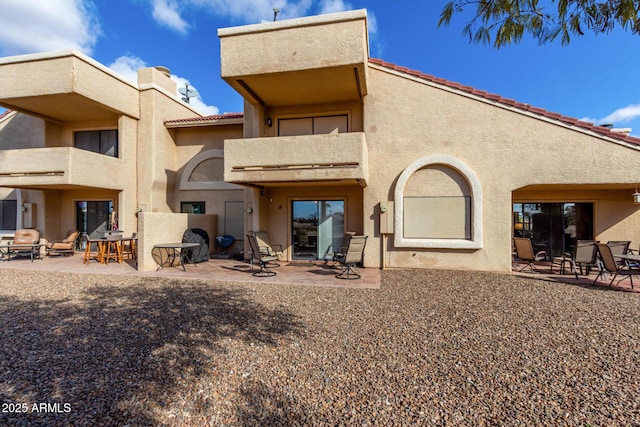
point(428, 348)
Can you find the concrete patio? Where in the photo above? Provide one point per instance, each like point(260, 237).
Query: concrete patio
point(544, 271)
point(226, 270)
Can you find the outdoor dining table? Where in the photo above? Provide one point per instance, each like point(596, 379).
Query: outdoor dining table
point(634, 258)
point(108, 248)
point(174, 251)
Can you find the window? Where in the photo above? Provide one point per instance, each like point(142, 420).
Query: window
point(313, 125)
point(8, 214)
point(99, 141)
point(438, 205)
point(192, 207)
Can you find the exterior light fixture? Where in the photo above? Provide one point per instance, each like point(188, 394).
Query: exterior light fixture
point(269, 122)
point(636, 198)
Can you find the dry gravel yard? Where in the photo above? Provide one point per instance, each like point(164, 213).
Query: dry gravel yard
point(428, 348)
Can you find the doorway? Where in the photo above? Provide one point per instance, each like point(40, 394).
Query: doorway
point(317, 226)
point(553, 227)
point(94, 217)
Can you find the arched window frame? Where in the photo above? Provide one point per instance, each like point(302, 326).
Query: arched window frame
point(476, 206)
point(185, 184)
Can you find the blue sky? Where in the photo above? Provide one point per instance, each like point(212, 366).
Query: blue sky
point(594, 78)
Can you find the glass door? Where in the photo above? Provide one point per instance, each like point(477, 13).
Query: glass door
point(94, 217)
point(553, 227)
point(317, 226)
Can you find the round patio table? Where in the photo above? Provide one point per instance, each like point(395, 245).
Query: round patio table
point(173, 251)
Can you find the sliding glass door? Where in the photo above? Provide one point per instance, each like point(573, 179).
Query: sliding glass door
point(317, 226)
point(94, 217)
point(553, 227)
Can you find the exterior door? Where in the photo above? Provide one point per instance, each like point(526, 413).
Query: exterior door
point(317, 227)
point(94, 217)
point(553, 227)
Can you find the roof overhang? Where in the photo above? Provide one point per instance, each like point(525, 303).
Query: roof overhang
point(65, 86)
point(313, 60)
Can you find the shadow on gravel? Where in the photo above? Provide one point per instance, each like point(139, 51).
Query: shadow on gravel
point(113, 354)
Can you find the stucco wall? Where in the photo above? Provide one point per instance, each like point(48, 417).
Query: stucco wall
point(158, 228)
point(273, 210)
point(190, 142)
point(505, 149)
point(21, 131)
point(157, 156)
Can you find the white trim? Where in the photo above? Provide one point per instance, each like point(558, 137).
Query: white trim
point(476, 206)
point(185, 184)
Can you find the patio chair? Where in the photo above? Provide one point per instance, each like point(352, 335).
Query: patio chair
point(129, 246)
point(336, 255)
point(21, 237)
point(266, 247)
point(609, 263)
point(586, 256)
point(619, 247)
point(65, 246)
point(524, 252)
point(353, 256)
point(562, 261)
point(263, 260)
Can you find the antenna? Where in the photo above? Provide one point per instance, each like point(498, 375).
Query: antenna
point(187, 93)
point(275, 13)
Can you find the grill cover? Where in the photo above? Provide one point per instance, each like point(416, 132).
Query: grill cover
point(197, 235)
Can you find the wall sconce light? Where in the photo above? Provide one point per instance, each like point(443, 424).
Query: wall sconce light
point(269, 122)
point(383, 209)
point(249, 210)
point(23, 208)
point(636, 198)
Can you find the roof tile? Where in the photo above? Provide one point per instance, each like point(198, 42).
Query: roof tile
point(526, 107)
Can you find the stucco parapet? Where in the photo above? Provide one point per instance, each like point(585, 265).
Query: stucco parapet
point(291, 23)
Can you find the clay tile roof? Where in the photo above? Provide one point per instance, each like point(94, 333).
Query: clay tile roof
point(512, 103)
point(5, 114)
point(206, 119)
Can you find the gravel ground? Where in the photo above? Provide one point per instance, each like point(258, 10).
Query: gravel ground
point(428, 348)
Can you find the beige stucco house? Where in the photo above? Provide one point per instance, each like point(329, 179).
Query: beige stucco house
point(437, 174)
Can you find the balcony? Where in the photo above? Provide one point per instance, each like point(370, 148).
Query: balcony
point(311, 60)
point(306, 158)
point(65, 86)
point(59, 168)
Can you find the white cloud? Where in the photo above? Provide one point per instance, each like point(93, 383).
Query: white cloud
point(331, 6)
point(619, 116)
point(127, 66)
point(249, 11)
point(166, 13)
point(30, 26)
point(196, 102)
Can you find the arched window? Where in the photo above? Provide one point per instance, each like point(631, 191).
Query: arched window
point(438, 204)
point(206, 172)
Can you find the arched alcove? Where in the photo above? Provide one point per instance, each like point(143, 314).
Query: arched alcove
point(446, 214)
point(204, 172)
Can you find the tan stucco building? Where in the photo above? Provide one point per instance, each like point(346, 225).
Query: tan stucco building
point(437, 174)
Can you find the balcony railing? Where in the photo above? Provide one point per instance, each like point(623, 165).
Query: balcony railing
point(59, 166)
point(333, 157)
